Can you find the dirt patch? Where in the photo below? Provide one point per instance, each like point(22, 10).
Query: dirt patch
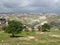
point(44, 40)
point(41, 32)
point(52, 41)
point(55, 35)
point(27, 38)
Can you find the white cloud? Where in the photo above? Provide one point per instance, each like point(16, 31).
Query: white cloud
point(24, 3)
point(56, 1)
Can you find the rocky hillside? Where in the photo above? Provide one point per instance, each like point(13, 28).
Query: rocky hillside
point(34, 19)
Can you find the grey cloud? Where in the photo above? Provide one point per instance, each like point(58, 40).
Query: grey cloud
point(30, 6)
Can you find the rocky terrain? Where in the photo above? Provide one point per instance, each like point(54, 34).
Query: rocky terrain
point(34, 19)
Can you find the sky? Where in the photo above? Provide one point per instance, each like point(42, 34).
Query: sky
point(30, 6)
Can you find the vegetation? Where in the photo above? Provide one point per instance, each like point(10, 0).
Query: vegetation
point(39, 28)
point(40, 39)
point(45, 27)
point(14, 27)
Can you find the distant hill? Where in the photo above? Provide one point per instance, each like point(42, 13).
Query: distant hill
point(35, 19)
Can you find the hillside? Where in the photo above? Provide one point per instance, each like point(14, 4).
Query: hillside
point(34, 19)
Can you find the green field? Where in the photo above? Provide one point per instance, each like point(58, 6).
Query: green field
point(38, 38)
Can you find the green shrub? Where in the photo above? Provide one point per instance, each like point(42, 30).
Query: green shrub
point(45, 27)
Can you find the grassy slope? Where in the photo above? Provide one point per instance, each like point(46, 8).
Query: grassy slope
point(40, 39)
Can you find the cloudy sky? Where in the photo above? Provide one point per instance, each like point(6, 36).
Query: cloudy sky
point(30, 6)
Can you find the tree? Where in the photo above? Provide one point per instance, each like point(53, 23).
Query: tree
point(45, 27)
point(14, 27)
point(39, 28)
point(59, 28)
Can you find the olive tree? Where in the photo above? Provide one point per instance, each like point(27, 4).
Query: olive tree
point(14, 27)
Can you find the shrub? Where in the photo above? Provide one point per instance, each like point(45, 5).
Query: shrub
point(45, 27)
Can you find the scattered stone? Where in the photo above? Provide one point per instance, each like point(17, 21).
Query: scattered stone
point(55, 35)
point(27, 38)
point(56, 29)
point(36, 39)
point(41, 32)
point(2, 31)
point(31, 37)
point(2, 40)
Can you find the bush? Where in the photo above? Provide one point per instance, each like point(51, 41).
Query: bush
point(45, 27)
